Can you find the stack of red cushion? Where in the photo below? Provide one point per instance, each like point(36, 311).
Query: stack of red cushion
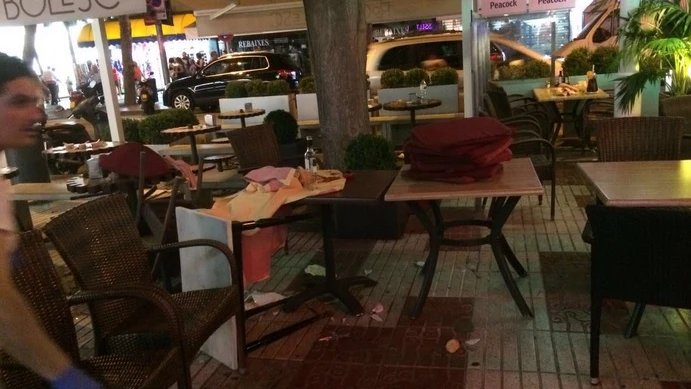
point(461, 150)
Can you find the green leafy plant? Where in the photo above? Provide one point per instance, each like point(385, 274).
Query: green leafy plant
point(369, 151)
point(256, 88)
point(536, 69)
point(415, 76)
point(284, 124)
point(393, 78)
point(605, 59)
point(577, 62)
point(657, 37)
point(131, 129)
point(150, 128)
point(236, 89)
point(511, 72)
point(308, 85)
point(444, 76)
point(277, 88)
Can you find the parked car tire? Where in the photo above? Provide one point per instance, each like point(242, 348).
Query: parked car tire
point(182, 100)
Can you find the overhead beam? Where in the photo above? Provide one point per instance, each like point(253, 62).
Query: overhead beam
point(224, 10)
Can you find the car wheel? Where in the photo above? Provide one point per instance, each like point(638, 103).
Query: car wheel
point(182, 100)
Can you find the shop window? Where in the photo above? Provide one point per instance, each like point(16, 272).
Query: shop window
point(396, 58)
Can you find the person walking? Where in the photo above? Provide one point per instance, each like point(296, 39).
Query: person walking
point(21, 335)
point(51, 81)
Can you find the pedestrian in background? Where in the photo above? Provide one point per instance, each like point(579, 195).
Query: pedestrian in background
point(51, 81)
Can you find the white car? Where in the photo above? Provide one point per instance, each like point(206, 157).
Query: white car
point(410, 52)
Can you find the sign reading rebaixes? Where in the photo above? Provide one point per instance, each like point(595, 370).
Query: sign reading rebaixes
point(24, 12)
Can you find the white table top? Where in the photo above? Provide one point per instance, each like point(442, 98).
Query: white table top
point(640, 183)
point(518, 178)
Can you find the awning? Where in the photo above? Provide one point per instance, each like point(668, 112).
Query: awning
point(140, 31)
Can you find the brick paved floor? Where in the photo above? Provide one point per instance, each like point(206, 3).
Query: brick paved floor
point(468, 300)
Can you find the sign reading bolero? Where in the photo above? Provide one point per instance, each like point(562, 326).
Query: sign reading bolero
point(489, 8)
point(23, 12)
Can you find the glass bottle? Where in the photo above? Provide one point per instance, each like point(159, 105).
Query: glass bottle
point(423, 91)
point(310, 156)
point(560, 79)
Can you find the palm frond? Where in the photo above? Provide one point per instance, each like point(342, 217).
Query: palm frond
point(632, 86)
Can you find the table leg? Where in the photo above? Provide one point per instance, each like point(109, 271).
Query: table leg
point(499, 212)
point(332, 285)
point(193, 147)
point(412, 117)
point(242, 123)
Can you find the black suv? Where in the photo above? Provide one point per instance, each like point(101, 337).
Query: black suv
point(209, 84)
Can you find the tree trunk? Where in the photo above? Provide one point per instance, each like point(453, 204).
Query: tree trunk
point(29, 55)
point(340, 74)
point(128, 72)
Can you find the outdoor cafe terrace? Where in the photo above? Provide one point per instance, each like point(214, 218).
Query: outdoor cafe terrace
point(468, 301)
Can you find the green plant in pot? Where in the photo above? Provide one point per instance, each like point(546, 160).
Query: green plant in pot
point(415, 76)
point(605, 59)
point(236, 89)
point(382, 221)
point(577, 63)
point(444, 76)
point(657, 37)
point(277, 88)
point(150, 128)
point(308, 85)
point(393, 78)
point(256, 88)
point(286, 129)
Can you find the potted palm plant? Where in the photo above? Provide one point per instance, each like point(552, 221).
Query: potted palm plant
point(656, 37)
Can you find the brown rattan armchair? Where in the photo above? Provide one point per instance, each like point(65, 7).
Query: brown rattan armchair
point(99, 242)
point(503, 106)
point(256, 146)
point(37, 280)
point(679, 106)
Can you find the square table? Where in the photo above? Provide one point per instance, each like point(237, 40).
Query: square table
point(517, 179)
point(548, 96)
point(364, 187)
point(640, 183)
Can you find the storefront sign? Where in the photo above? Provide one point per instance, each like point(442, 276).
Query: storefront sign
point(549, 5)
point(158, 10)
point(25, 12)
point(253, 43)
point(489, 8)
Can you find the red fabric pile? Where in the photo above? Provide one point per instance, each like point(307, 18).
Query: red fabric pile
point(461, 150)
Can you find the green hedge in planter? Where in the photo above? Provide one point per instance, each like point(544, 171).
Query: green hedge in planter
point(308, 85)
point(577, 63)
point(369, 151)
point(284, 124)
point(393, 78)
point(131, 129)
point(605, 59)
point(531, 69)
point(277, 88)
point(256, 88)
point(444, 76)
point(415, 76)
point(236, 89)
point(150, 127)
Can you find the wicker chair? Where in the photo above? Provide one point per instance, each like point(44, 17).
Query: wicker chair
point(530, 143)
point(502, 106)
point(38, 281)
point(636, 139)
point(99, 242)
point(680, 106)
point(638, 255)
point(256, 146)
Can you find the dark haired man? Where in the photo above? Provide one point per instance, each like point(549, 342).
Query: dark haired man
point(21, 336)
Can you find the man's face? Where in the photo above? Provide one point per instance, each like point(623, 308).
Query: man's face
point(20, 108)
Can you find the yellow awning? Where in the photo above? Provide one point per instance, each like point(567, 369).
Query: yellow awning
point(139, 29)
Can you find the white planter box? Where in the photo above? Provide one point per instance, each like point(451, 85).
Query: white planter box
point(267, 103)
point(448, 94)
point(307, 106)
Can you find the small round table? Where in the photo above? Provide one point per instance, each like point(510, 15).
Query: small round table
point(86, 151)
point(412, 106)
point(192, 132)
point(241, 114)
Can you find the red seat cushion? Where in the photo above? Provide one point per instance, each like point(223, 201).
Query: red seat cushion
point(124, 161)
point(441, 137)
